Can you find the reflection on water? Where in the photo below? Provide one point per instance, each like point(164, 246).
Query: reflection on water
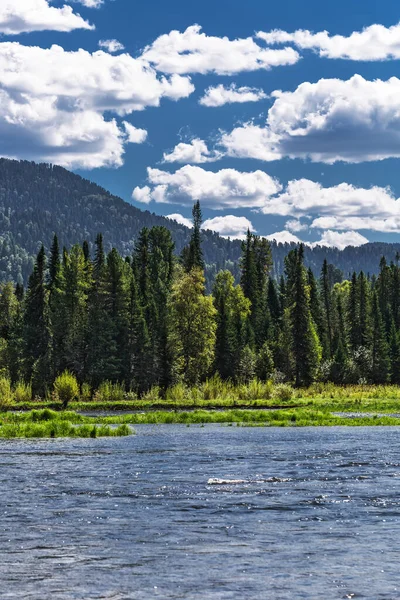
point(315, 514)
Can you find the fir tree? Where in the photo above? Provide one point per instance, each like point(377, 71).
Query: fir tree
point(37, 331)
point(380, 371)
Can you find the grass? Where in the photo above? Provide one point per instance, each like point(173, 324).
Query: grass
point(50, 424)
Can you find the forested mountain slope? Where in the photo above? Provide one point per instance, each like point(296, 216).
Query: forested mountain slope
point(38, 200)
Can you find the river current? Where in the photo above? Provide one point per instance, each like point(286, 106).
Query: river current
point(316, 514)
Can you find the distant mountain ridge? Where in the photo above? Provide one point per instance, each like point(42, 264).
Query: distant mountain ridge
point(38, 200)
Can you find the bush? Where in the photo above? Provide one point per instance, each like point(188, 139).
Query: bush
point(152, 395)
point(6, 396)
point(66, 388)
point(110, 392)
point(255, 390)
point(216, 389)
point(178, 393)
point(283, 392)
point(86, 392)
point(22, 392)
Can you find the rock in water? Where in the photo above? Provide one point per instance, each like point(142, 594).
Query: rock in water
point(214, 481)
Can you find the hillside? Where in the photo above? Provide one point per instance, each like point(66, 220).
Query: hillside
point(38, 200)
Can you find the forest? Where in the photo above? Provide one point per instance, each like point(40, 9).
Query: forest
point(146, 320)
point(40, 200)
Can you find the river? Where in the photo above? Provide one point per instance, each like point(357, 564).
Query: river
point(316, 515)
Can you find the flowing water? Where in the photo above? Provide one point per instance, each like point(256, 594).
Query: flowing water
point(316, 514)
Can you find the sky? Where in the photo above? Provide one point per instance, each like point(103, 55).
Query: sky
point(280, 117)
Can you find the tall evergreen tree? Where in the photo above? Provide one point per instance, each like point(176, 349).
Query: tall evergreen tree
point(306, 347)
point(380, 371)
point(192, 255)
point(37, 331)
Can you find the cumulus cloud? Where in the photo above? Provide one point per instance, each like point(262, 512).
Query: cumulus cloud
point(341, 207)
point(220, 95)
point(142, 194)
point(373, 43)
point(53, 103)
point(90, 3)
point(332, 239)
point(283, 237)
point(195, 152)
point(229, 226)
point(111, 46)
point(134, 134)
point(328, 121)
point(192, 51)
point(226, 188)
point(180, 219)
point(335, 239)
point(24, 16)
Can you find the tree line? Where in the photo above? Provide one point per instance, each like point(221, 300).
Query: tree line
point(146, 320)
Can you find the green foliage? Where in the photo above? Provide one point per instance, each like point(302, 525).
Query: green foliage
point(22, 392)
point(109, 392)
point(6, 395)
point(66, 388)
point(283, 392)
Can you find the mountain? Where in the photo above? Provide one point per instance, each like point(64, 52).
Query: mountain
point(38, 200)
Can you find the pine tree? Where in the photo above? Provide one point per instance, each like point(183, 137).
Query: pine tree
point(192, 257)
point(394, 353)
point(318, 315)
point(327, 308)
point(380, 371)
point(37, 332)
point(233, 310)
point(306, 347)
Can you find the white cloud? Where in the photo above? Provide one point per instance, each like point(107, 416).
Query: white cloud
point(341, 240)
point(332, 239)
point(220, 95)
point(24, 16)
point(111, 45)
point(229, 226)
point(283, 237)
point(226, 188)
point(53, 103)
point(295, 226)
point(328, 121)
point(181, 220)
point(195, 52)
point(90, 3)
point(373, 43)
point(142, 194)
point(134, 134)
point(342, 206)
point(194, 152)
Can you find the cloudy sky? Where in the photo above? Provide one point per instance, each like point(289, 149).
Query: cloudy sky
point(282, 117)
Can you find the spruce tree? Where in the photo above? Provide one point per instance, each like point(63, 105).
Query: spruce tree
point(306, 348)
point(380, 369)
point(192, 257)
point(37, 331)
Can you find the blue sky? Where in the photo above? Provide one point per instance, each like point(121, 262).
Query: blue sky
point(294, 133)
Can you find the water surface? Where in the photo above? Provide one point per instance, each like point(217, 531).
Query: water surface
point(318, 516)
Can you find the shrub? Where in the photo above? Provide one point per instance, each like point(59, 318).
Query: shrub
point(152, 395)
point(283, 392)
point(86, 392)
point(22, 392)
point(214, 388)
point(177, 393)
point(66, 388)
point(6, 396)
point(110, 392)
point(255, 390)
